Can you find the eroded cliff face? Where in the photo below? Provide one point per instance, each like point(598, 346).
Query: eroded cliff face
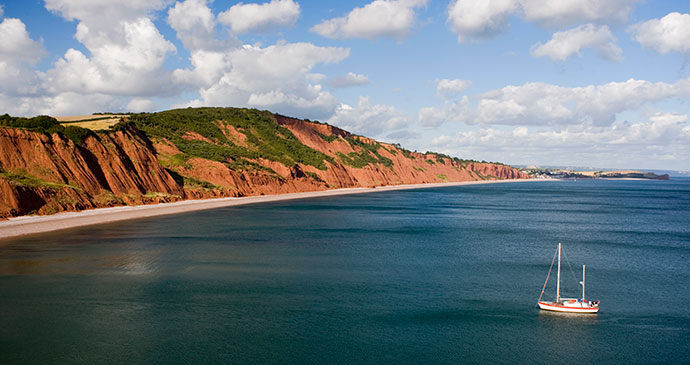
point(405, 167)
point(44, 174)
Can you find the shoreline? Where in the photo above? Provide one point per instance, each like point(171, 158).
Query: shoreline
point(35, 224)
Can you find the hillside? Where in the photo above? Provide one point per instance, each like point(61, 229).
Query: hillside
point(46, 167)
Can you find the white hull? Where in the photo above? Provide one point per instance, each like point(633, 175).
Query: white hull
point(566, 307)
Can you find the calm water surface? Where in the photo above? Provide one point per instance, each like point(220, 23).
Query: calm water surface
point(448, 275)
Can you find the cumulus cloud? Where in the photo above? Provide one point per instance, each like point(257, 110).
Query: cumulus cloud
point(380, 18)
point(449, 89)
point(124, 60)
point(537, 103)
point(140, 105)
point(90, 9)
point(571, 42)
point(129, 64)
point(99, 20)
point(276, 77)
point(563, 13)
point(451, 111)
point(367, 119)
point(351, 79)
point(477, 20)
point(16, 45)
point(17, 53)
point(665, 136)
point(125, 57)
point(668, 34)
point(66, 103)
point(194, 23)
point(243, 18)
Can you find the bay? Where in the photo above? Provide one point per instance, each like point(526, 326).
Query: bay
point(444, 275)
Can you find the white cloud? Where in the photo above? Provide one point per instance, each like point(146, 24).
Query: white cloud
point(243, 18)
point(207, 68)
point(477, 20)
point(17, 53)
point(129, 64)
point(194, 22)
point(668, 34)
point(563, 13)
point(140, 105)
point(126, 49)
point(380, 18)
point(451, 88)
point(665, 136)
point(570, 42)
point(537, 103)
point(351, 79)
point(16, 45)
point(125, 58)
point(66, 103)
point(455, 111)
point(369, 120)
point(276, 77)
point(2, 10)
point(103, 9)
point(661, 127)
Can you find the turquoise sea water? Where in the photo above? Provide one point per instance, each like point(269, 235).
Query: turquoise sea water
point(446, 275)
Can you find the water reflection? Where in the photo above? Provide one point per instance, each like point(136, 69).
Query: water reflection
point(78, 253)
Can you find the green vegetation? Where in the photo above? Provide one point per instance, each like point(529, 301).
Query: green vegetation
point(329, 139)
point(41, 123)
point(442, 177)
point(418, 168)
point(178, 160)
point(48, 125)
point(22, 178)
point(407, 153)
point(430, 162)
point(94, 119)
point(265, 137)
point(487, 177)
point(369, 154)
point(108, 198)
point(77, 134)
point(192, 183)
point(313, 175)
point(156, 194)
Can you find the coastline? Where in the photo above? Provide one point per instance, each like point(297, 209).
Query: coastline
point(34, 224)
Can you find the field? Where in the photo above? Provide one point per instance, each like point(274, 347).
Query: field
point(92, 122)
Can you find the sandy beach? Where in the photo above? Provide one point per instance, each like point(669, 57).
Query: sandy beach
point(26, 225)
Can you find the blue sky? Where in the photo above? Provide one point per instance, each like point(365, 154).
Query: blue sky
point(601, 83)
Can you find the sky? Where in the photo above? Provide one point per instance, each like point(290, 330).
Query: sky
point(598, 83)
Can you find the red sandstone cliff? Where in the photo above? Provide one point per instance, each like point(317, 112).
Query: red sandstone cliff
point(44, 174)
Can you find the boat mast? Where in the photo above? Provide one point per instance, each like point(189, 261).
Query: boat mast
point(558, 282)
point(583, 283)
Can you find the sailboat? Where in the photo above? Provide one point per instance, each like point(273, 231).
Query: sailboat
point(569, 305)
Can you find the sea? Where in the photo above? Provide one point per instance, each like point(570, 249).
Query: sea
point(439, 275)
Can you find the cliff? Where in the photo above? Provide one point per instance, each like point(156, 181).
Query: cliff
point(203, 153)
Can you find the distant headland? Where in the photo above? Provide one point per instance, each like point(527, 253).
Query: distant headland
point(595, 174)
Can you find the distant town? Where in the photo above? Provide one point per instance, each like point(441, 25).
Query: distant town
point(555, 173)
